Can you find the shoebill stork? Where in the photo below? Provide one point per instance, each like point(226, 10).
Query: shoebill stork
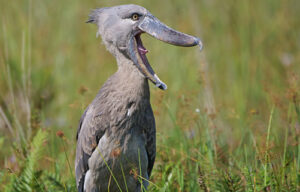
point(116, 134)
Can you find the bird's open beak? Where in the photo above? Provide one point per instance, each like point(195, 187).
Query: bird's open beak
point(160, 31)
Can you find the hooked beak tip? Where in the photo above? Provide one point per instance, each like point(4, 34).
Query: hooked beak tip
point(159, 83)
point(199, 43)
point(161, 86)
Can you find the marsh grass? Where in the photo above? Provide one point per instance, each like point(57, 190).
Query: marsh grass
point(229, 121)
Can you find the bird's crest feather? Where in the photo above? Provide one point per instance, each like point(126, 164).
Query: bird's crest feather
point(94, 15)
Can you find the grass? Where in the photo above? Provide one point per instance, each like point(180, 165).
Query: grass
point(229, 121)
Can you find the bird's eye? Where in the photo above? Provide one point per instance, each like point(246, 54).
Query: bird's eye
point(135, 17)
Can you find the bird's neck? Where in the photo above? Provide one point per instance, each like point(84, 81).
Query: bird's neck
point(131, 80)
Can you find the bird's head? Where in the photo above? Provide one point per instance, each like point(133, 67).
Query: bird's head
point(121, 27)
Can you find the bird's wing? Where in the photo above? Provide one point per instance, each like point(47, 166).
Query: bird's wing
point(80, 122)
point(91, 129)
point(81, 165)
point(151, 140)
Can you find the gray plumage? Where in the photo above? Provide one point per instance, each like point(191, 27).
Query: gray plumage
point(116, 134)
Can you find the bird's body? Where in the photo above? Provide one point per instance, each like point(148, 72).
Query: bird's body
point(116, 142)
point(124, 108)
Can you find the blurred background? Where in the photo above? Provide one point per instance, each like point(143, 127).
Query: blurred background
point(229, 120)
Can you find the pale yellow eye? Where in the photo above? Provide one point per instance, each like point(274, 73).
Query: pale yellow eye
point(135, 17)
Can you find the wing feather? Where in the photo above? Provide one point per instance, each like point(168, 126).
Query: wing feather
point(151, 141)
point(91, 129)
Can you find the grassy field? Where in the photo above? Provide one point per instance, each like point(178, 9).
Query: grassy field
point(229, 121)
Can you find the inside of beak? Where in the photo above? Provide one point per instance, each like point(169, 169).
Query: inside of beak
point(142, 63)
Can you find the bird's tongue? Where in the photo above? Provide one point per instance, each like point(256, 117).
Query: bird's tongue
point(144, 65)
point(142, 50)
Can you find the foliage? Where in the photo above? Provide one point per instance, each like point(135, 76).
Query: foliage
point(28, 178)
point(229, 121)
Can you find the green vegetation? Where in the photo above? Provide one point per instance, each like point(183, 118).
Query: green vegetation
point(230, 120)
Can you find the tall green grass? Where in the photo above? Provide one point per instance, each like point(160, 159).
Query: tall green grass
point(230, 120)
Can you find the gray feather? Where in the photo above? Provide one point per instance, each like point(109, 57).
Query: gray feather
point(95, 14)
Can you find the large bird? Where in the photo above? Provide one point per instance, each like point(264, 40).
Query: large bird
point(116, 142)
